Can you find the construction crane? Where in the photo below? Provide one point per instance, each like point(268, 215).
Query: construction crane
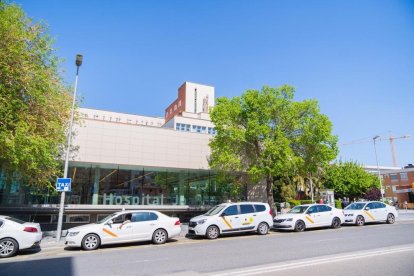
point(391, 139)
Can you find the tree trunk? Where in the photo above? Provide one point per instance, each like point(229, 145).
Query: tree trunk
point(269, 192)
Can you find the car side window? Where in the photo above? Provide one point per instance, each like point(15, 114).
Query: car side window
point(1, 223)
point(231, 210)
point(260, 208)
point(152, 216)
point(324, 208)
point(143, 216)
point(137, 217)
point(371, 205)
point(380, 205)
point(246, 209)
point(118, 219)
point(313, 209)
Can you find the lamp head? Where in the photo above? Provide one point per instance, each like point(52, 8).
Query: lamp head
point(79, 59)
point(376, 137)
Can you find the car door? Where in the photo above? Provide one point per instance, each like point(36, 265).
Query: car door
point(248, 217)
point(325, 215)
point(381, 210)
point(313, 217)
point(119, 230)
point(143, 225)
point(230, 219)
point(370, 212)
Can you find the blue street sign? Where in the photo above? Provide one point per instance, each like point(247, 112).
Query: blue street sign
point(63, 184)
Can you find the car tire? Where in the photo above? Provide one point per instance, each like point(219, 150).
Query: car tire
point(212, 232)
point(91, 242)
point(160, 236)
point(390, 218)
point(336, 223)
point(300, 226)
point(8, 247)
point(263, 228)
point(360, 221)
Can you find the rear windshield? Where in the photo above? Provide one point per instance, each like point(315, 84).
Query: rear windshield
point(15, 220)
point(355, 206)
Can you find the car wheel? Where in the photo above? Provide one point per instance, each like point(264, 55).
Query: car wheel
point(360, 221)
point(263, 228)
point(160, 236)
point(390, 218)
point(300, 226)
point(91, 242)
point(336, 223)
point(212, 232)
point(8, 247)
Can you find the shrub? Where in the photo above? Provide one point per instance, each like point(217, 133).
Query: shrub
point(338, 204)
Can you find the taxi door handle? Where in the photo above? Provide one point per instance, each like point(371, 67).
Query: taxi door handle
point(254, 215)
point(236, 217)
point(152, 224)
point(128, 227)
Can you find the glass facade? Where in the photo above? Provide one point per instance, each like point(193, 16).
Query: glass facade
point(94, 184)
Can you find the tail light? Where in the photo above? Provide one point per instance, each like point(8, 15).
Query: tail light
point(30, 229)
point(271, 212)
point(177, 222)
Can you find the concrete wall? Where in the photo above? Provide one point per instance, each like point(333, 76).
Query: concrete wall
point(127, 144)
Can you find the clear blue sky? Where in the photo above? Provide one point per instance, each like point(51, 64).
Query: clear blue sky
point(355, 57)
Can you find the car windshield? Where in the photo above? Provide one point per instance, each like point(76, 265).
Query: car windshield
point(298, 209)
point(214, 211)
point(355, 206)
point(105, 218)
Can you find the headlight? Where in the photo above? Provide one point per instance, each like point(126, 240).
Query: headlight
point(201, 221)
point(72, 234)
point(289, 219)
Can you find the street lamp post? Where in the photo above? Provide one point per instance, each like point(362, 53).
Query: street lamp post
point(78, 63)
point(378, 169)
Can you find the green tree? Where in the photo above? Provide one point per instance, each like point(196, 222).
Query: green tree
point(34, 103)
point(349, 179)
point(268, 135)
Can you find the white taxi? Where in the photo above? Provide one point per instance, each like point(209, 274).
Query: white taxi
point(16, 234)
point(125, 226)
point(230, 218)
point(306, 216)
point(359, 213)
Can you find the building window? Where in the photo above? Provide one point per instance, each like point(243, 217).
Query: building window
point(394, 177)
point(211, 131)
point(179, 103)
point(404, 176)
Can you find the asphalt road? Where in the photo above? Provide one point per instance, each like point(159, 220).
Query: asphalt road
point(378, 249)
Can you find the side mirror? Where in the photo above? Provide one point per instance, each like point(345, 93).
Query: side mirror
point(223, 214)
point(109, 222)
point(367, 208)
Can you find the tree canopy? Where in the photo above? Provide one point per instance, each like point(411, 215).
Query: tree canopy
point(267, 135)
point(34, 102)
point(349, 179)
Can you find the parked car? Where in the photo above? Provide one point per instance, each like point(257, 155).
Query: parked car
point(125, 226)
point(306, 216)
point(16, 234)
point(230, 218)
point(360, 213)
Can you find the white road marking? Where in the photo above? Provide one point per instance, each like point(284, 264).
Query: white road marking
point(311, 262)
